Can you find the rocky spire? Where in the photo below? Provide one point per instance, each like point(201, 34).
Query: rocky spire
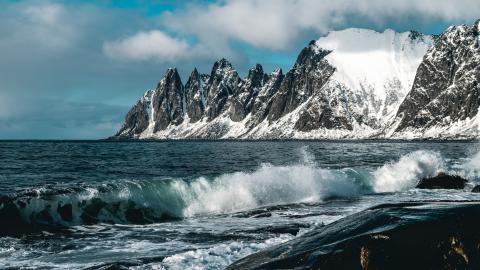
point(252, 86)
point(169, 101)
point(224, 82)
point(263, 100)
point(195, 96)
point(311, 71)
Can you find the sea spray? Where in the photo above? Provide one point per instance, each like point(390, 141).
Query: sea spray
point(407, 171)
point(269, 185)
point(470, 169)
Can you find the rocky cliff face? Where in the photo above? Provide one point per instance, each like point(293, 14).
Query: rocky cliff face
point(348, 84)
point(196, 99)
point(445, 97)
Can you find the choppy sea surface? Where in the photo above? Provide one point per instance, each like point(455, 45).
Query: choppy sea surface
point(199, 204)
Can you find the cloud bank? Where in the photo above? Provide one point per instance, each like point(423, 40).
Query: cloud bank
point(66, 64)
point(275, 24)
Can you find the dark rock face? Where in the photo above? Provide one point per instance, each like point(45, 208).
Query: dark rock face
point(442, 181)
point(476, 189)
point(169, 104)
point(310, 72)
point(224, 82)
point(162, 106)
point(319, 114)
point(136, 121)
point(262, 102)
point(195, 96)
point(446, 87)
point(397, 236)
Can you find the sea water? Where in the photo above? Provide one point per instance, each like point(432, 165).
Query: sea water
point(199, 204)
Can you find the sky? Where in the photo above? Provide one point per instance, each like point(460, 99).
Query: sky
point(71, 69)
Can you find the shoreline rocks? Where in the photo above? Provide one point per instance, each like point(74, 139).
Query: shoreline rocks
point(442, 181)
point(442, 235)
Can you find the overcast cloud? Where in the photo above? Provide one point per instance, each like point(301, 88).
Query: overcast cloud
point(71, 69)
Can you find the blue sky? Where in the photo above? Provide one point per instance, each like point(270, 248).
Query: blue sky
point(71, 69)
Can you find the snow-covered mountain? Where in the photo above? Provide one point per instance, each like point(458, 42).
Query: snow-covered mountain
point(445, 97)
point(347, 84)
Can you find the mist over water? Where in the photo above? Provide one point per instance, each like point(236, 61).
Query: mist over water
point(181, 205)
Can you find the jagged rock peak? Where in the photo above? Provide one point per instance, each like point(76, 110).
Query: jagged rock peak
point(312, 51)
point(195, 96)
point(256, 76)
point(257, 69)
point(172, 72)
point(222, 64)
point(171, 77)
point(194, 75)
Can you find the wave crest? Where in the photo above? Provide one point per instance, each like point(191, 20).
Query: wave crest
point(407, 171)
point(156, 201)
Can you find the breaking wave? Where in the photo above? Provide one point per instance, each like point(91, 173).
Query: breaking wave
point(139, 202)
point(407, 171)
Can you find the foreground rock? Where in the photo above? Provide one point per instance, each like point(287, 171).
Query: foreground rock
point(442, 181)
point(392, 236)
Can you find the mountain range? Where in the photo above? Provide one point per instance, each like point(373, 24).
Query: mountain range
point(349, 84)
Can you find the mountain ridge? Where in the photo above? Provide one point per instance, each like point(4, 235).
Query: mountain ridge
point(348, 84)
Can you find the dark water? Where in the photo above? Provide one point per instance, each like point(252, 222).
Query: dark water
point(198, 205)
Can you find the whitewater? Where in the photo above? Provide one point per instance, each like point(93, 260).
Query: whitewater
point(200, 205)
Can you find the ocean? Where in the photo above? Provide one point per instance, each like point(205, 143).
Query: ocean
point(199, 204)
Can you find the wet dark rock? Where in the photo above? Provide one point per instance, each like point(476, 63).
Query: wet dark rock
point(393, 236)
point(476, 189)
point(442, 181)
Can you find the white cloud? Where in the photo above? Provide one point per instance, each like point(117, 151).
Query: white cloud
point(48, 24)
point(148, 45)
point(275, 24)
